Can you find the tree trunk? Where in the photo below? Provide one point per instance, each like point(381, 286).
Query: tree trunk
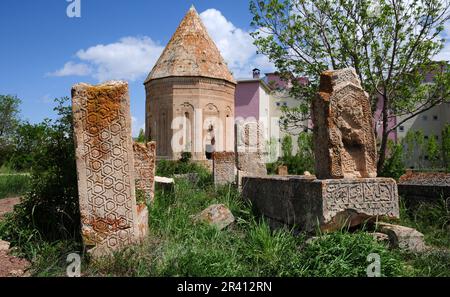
point(384, 136)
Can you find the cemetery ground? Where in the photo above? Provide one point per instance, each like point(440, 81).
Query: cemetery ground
point(178, 247)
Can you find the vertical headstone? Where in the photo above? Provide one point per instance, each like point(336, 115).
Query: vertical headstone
point(344, 138)
point(223, 168)
point(250, 149)
point(105, 165)
point(282, 170)
point(144, 168)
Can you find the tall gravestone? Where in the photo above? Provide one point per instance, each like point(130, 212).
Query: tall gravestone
point(110, 216)
point(344, 141)
point(145, 167)
point(223, 168)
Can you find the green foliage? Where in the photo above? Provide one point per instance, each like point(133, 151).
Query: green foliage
point(50, 209)
point(186, 157)
point(141, 136)
point(286, 146)
point(28, 139)
point(446, 146)
point(389, 46)
point(345, 254)
point(433, 151)
point(9, 119)
point(416, 147)
point(300, 162)
point(168, 168)
point(432, 219)
point(13, 185)
point(178, 247)
point(394, 166)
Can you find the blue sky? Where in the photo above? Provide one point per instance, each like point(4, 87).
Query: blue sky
point(44, 52)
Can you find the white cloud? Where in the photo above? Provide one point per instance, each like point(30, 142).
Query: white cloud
point(236, 45)
point(72, 69)
point(130, 58)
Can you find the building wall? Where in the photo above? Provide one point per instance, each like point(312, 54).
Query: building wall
point(247, 99)
point(193, 100)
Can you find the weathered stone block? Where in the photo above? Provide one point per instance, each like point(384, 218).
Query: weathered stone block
point(217, 215)
point(309, 203)
point(418, 187)
point(145, 168)
point(282, 170)
point(250, 148)
point(403, 237)
point(344, 141)
point(105, 167)
point(224, 168)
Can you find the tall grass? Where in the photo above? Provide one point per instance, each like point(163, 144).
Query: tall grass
point(178, 247)
point(13, 185)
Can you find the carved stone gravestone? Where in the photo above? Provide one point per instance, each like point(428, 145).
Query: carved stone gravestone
point(344, 141)
point(249, 148)
point(223, 167)
point(282, 170)
point(110, 217)
point(346, 191)
point(145, 167)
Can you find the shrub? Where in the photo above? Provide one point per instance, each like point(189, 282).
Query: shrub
point(51, 208)
point(394, 166)
point(446, 146)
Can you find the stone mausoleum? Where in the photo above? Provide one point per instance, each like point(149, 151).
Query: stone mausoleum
point(192, 84)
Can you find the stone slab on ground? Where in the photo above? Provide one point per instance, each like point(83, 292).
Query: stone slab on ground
point(418, 187)
point(217, 215)
point(305, 202)
point(402, 237)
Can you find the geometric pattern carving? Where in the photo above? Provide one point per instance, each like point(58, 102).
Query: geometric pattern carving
point(345, 144)
point(144, 168)
point(105, 167)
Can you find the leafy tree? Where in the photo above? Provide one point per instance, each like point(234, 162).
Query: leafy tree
point(433, 151)
point(389, 43)
point(9, 119)
point(394, 166)
point(29, 139)
point(446, 146)
point(286, 146)
point(141, 136)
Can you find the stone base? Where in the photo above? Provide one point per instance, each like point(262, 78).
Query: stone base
point(309, 203)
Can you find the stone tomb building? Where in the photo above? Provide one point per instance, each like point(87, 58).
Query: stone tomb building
point(192, 83)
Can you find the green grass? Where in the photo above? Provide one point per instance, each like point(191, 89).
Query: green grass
point(13, 185)
point(432, 219)
point(176, 246)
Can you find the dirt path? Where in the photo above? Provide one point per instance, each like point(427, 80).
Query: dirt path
point(7, 205)
point(9, 265)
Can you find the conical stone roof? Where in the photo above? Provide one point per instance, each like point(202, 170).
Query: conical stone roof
point(191, 52)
